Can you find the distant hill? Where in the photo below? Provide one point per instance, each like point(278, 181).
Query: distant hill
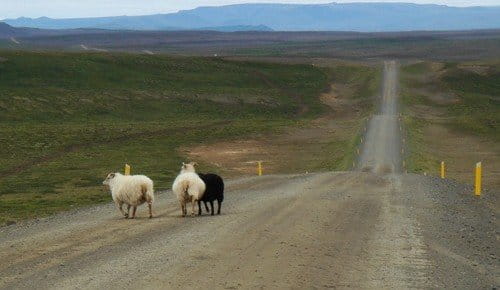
point(150, 22)
point(236, 28)
point(369, 17)
point(5, 28)
point(7, 31)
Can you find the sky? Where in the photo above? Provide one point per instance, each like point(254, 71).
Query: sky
point(97, 8)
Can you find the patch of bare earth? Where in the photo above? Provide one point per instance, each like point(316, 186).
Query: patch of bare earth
point(316, 147)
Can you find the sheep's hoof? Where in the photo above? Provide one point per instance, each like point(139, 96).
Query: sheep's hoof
point(126, 216)
point(150, 216)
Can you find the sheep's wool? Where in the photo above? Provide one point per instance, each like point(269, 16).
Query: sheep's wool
point(133, 190)
point(188, 187)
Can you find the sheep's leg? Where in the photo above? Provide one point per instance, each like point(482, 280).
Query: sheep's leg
point(128, 209)
point(219, 204)
point(206, 206)
point(199, 207)
point(120, 207)
point(183, 209)
point(150, 206)
point(212, 207)
point(193, 202)
point(133, 212)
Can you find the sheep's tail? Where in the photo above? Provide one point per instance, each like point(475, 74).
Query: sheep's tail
point(222, 191)
point(185, 187)
point(148, 192)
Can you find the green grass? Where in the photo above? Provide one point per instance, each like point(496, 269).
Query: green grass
point(363, 80)
point(74, 178)
point(68, 119)
point(473, 106)
point(478, 109)
point(360, 87)
point(365, 84)
point(405, 47)
point(44, 86)
point(419, 160)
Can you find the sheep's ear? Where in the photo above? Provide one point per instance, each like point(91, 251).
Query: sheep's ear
point(111, 175)
point(194, 163)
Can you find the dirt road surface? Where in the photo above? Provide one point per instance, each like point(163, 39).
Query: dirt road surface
point(382, 143)
point(374, 228)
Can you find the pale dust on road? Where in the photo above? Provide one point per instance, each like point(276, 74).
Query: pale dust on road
point(322, 230)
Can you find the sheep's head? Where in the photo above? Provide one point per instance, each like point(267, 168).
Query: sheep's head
point(188, 167)
point(109, 178)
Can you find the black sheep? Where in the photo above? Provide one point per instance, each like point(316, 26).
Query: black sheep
point(214, 191)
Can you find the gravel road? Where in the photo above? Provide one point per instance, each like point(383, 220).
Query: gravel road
point(382, 143)
point(373, 228)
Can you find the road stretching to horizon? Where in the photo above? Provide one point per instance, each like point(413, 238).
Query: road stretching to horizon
point(372, 228)
point(381, 151)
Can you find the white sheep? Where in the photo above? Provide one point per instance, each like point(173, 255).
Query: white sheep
point(132, 190)
point(188, 187)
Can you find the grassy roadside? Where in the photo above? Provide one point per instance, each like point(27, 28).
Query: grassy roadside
point(451, 102)
point(68, 119)
point(364, 87)
point(381, 48)
point(73, 178)
point(355, 88)
point(324, 144)
point(419, 159)
point(477, 86)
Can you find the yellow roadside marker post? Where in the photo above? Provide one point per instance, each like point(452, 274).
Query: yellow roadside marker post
point(442, 169)
point(259, 168)
point(477, 183)
point(127, 169)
